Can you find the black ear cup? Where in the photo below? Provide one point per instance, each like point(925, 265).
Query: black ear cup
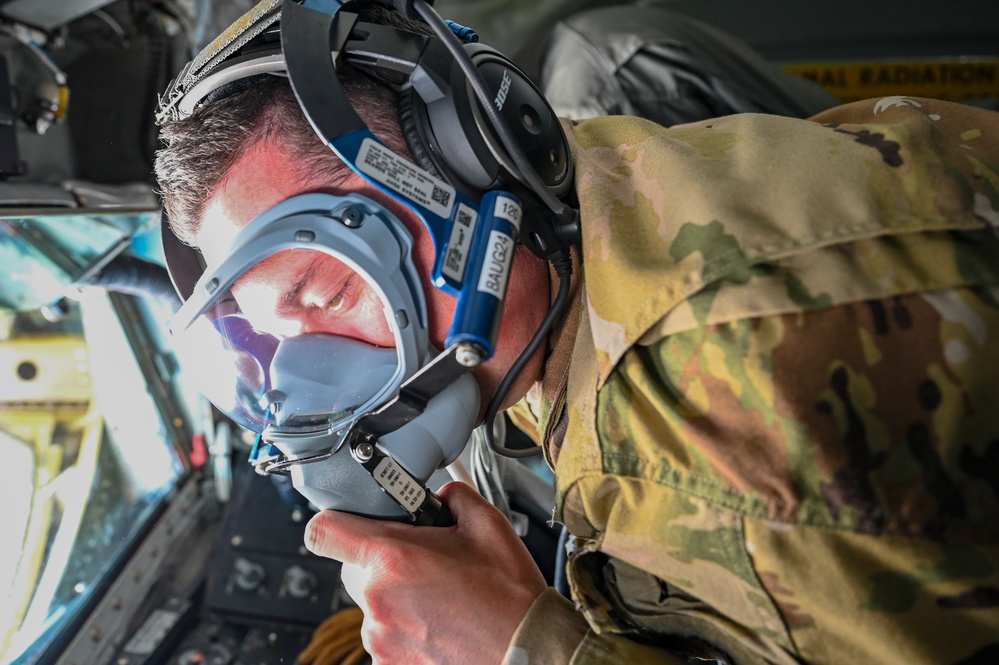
point(411, 132)
point(446, 127)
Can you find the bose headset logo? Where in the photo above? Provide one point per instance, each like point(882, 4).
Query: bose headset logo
point(504, 90)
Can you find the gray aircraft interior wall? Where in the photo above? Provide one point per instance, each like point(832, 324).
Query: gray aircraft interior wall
point(784, 30)
point(117, 61)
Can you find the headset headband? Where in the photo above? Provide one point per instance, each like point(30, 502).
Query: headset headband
point(368, 45)
point(251, 24)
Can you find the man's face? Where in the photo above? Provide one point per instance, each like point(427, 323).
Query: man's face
point(300, 291)
point(336, 303)
point(293, 292)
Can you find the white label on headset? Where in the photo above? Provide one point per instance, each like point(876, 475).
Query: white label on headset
point(403, 487)
point(462, 232)
point(399, 175)
point(509, 210)
point(496, 264)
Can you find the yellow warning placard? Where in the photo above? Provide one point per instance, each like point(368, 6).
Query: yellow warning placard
point(939, 79)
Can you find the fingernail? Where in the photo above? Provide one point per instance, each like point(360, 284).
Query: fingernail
point(310, 535)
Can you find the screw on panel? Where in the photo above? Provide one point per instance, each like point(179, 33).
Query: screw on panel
point(364, 451)
point(351, 217)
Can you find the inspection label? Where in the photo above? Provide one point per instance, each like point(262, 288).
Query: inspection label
point(406, 178)
point(403, 488)
point(496, 265)
point(940, 79)
point(460, 241)
point(508, 209)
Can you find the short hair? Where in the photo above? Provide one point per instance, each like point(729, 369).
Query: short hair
point(198, 152)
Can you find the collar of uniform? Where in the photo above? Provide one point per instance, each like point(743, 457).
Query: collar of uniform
point(548, 395)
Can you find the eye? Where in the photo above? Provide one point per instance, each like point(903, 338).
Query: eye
point(335, 301)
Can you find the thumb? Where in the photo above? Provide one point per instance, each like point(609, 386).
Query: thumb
point(470, 509)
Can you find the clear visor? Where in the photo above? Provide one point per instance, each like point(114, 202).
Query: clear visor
point(301, 339)
point(303, 383)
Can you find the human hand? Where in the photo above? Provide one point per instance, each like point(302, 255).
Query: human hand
point(433, 594)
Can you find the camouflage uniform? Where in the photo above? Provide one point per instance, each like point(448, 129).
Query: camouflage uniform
point(773, 411)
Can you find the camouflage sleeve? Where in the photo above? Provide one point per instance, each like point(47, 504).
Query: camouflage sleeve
point(794, 452)
point(826, 478)
point(554, 633)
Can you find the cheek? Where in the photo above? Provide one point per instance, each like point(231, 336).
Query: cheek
point(440, 305)
point(371, 320)
point(255, 304)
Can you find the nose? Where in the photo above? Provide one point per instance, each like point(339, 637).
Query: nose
point(310, 305)
point(288, 323)
point(311, 298)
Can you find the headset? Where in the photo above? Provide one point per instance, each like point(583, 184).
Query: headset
point(492, 167)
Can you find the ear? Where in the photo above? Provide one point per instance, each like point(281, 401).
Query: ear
point(449, 134)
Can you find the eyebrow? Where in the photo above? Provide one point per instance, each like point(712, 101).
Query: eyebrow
point(285, 305)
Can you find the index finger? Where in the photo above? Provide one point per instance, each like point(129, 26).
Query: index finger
point(345, 537)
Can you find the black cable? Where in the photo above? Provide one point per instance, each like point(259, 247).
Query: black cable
point(563, 268)
point(564, 214)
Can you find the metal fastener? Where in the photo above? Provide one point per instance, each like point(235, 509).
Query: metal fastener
point(468, 354)
point(364, 451)
point(351, 217)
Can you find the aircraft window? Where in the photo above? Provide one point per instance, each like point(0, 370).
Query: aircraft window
point(43, 255)
point(89, 436)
